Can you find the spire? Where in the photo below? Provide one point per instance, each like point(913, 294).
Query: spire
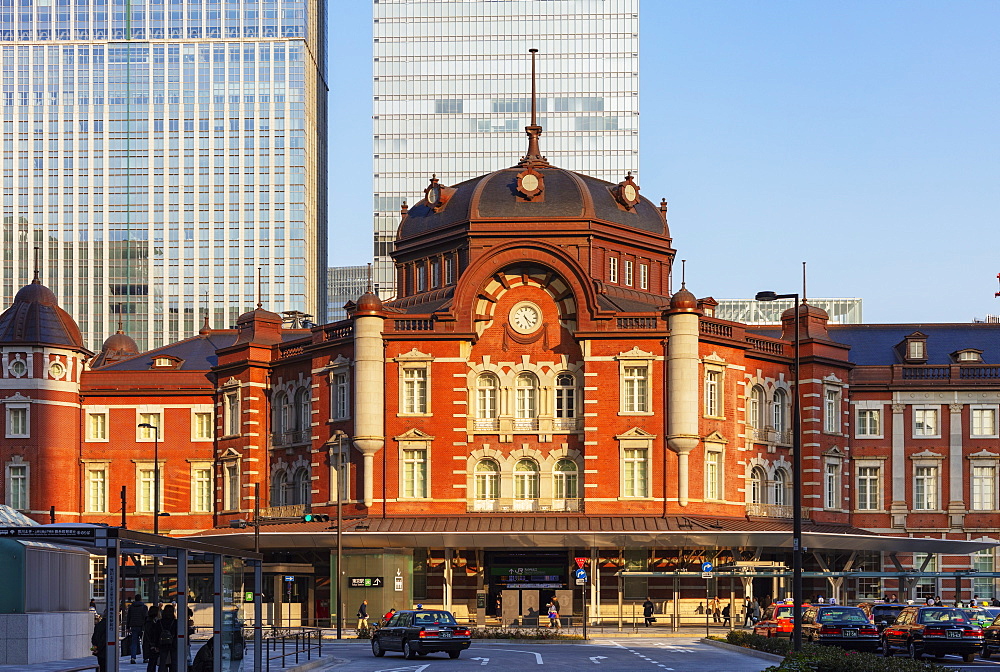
point(534, 155)
point(260, 289)
point(37, 254)
point(803, 282)
point(684, 273)
point(369, 290)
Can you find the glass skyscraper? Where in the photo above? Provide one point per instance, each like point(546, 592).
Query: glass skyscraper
point(452, 94)
point(158, 154)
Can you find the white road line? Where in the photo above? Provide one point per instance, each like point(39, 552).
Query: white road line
point(538, 656)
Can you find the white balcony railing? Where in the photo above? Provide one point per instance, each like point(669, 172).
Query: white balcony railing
point(508, 505)
point(769, 510)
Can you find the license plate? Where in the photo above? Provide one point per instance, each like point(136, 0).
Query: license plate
point(954, 634)
point(445, 634)
point(850, 633)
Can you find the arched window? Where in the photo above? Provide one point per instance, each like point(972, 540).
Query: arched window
point(301, 487)
point(280, 402)
point(565, 480)
point(487, 386)
point(526, 480)
point(758, 480)
point(780, 487)
point(780, 412)
point(526, 388)
point(565, 397)
point(755, 411)
point(279, 483)
point(303, 410)
point(487, 480)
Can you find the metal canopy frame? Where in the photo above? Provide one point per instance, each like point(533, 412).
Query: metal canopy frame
point(115, 542)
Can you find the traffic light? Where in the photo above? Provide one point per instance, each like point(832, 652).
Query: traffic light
point(315, 518)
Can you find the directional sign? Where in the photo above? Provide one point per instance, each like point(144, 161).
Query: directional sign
point(581, 576)
point(707, 567)
point(365, 581)
point(596, 660)
point(580, 562)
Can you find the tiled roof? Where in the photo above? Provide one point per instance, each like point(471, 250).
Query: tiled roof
point(197, 353)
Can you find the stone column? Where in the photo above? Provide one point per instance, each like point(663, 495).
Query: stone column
point(899, 507)
point(369, 387)
point(682, 384)
point(956, 480)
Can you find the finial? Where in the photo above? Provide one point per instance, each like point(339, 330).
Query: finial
point(803, 282)
point(369, 277)
point(663, 206)
point(37, 255)
point(534, 131)
point(404, 209)
point(260, 288)
point(683, 273)
point(121, 327)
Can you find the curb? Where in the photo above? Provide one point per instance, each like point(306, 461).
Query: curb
point(313, 664)
point(753, 653)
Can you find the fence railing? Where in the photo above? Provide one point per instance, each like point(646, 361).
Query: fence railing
point(293, 642)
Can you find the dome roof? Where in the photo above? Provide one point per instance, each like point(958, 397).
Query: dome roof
point(36, 318)
point(368, 304)
point(566, 195)
point(120, 343)
point(683, 301)
point(807, 310)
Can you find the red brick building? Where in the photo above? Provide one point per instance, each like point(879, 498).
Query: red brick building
point(537, 392)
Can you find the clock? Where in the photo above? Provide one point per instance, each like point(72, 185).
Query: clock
point(57, 370)
point(530, 183)
point(627, 192)
point(525, 317)
point(437, 194)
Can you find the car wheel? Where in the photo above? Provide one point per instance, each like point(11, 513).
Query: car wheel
point(914, 653)
point(377, 649)
point(968, 657)
point(886, 649)
point(408, 651)
point(985, 654)
point(454, 654)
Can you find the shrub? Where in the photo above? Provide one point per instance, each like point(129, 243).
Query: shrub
point(748, 640)
point(816, 658)
point(520, 633)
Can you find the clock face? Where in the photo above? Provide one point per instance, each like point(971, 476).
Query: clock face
point(525, 317)
point(529, 182)
point(630, 193)
point(434, 195)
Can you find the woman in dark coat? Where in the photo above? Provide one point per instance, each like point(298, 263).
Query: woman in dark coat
point(151, 638)
point(168, 633)
point(647, 611)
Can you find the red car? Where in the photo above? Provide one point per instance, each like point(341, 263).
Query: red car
point(778, 621)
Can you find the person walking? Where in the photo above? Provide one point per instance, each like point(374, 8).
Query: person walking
point(647, 611)
point(555, 604)
point(747, 612)
point(754, 611)
point(99, 643)
point(151, 638)
point(363, 615)
point(726, 616)
point(716, 607)
point(167, 641)
point(135, 618)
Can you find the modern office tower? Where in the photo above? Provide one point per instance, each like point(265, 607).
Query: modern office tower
point(749, 311)
point(344, 283)
point(452, 90)
point(158, 155)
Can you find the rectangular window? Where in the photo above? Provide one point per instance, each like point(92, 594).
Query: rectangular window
point(435, 273)
point(97, 426)
point(868, 488)
point(925, 489)
point(202, 426)
point(415, 390)
point(636, 587)
point(984, 422)
point(636, 390)
point(231, 413)
point(147, 490)
point(869, 422)
point(831, 411)
point(97, 491)
point(926, 587)
point(147, 434)
point(449, 270)
point(925, 422)
point(613, 269)
point(983, 561)
point(712, 474)
point(831, 499)
point(414, 473)
point(201, 489)
point(17, 422)
point(628, 273)
point(232, 489)
point(984, 488)
point(713, 400)
point(635, 481)
point(340, 396)
point(448, 106)
point(916, 350)
point(98, 565)
point(17, 486)
point(643, 276)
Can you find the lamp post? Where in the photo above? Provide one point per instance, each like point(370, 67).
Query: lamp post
point(796, 478)
point(339, 435)
point(156, 505)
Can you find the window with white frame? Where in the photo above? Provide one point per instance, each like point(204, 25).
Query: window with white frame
point(97, 489)
point(18, 421)
point(984, 588)
point(282, 415)
point(97, 426)
point(713, 392)
point(831, 410)
point(281, 489)
point(17, 486)
point(713, 472)
point(231, 486)
point(756, 408)
point(984, 478)
point(925, 488)
point(970, 356)
point(613, 269)
point(635, 388)
point(231, 413)
point(925, 422)
point(487, 480)
point(565, 480)
point(341, 396)
point(916, 350)
point(628, 272)
point(758, 483)
point(201, 488)
point(636, 481)
point(414, 473)
point(565, 396)
point(202, 426)
point(526, 479)
point(868, 488)
point(780, 487)
point(526, 396)
point(415, 390)
point(984, 422)
point(643, 276)
point(831, 482)
point(98, 567)
point(154, 431)
point(868, 587)
point(147, 489)
point(869, 422)
point(303, 409)
point(301, 486)
point(487, 396)
point(926, 586)
point(780, 412)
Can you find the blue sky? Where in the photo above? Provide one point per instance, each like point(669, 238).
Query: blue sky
point(859, 136)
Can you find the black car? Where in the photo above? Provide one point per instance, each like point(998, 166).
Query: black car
point(417, 632)
point(933, 630)
point(991, 639)
point(882, 614)
point(835, 625)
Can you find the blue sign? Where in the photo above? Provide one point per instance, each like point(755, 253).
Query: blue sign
point(707, 567)
point(580, 574)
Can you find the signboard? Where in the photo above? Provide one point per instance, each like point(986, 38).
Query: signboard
point(289, 579)
point(528, 578)
point(398, 585)
point(581, 576)
point(48, 532)
point(366, 581)
point(706, 575)
point(248, 596)
point(707, 567)
point(480, 600)
point(580, 562)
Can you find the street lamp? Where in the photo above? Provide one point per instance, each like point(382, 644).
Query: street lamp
point(796, 478)
point(156, 504)
point(339, 435)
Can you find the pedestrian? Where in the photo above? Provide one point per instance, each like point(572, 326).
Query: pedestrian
point(388, 615)
point(930, 602)
point(747, 612)
point(135, 618)
point(363, 615)
point(151, 638)
point(552, 614)
point(647, 611)
point(205, 660)
point(99, 642)
point(995, 602)
point(726, 617)
point(755, 607)
point(167, 641)
point(700, 609)
point(716, 607)
point(555, 604)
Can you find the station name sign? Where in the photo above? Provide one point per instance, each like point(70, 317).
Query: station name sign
point(365, 581)
point(49, 532)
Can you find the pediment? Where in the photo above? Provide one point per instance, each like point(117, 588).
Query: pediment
point(17, 396)
point(715, 437)
point(635, 353)
point(927, 455)
point(414, 435)
point(414, 355)
point(636, 433)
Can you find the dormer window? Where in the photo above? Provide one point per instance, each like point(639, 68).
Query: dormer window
point(163, 361)
point(968, 355)
point(166, 362)
point(914, 348)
